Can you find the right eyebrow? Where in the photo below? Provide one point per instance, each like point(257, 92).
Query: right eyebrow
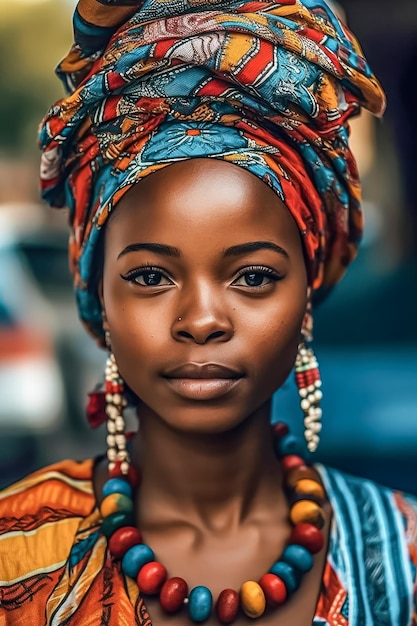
point(158, 248)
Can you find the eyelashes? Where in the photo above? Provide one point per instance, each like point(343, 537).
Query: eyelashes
point(250, 277)
point(256, 276)
point(148, 276)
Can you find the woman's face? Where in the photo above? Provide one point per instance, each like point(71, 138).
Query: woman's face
point(204, 291)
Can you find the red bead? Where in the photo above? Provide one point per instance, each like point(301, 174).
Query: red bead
point(173, 593)
point(274, 589)
point(96, 408)
point(132, 474)
point(227, 606)
point(123, 539)
point(151, 577)
point(280, 429)
point(308, 536)
point(291, 460)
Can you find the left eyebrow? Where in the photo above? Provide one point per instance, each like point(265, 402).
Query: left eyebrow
point(253, 246)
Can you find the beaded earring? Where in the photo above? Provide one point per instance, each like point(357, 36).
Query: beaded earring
point(307, 378)
point(115, 403)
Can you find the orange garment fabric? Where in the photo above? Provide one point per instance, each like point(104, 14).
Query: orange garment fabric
point(55, 568)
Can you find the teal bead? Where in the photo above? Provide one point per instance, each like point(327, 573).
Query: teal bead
point(298, 557)
point(288, 574)
point(200, 602)
point(289, 444)
point(117, 485)
point(135, 558)
point(115, 521)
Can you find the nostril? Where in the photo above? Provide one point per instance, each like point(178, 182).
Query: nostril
point(183, 333)
point(216, 335)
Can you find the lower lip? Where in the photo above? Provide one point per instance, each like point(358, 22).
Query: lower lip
point(202, 388)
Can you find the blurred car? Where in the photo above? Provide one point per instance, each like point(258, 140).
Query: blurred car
point(80, 361)
point(35, 262)
point(31, 386)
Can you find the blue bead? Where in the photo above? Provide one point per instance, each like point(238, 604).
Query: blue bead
point(200, 602)
point(288, 574)
point(135, 558)
point(117, 485)
point(298, 557)
point(289, 444)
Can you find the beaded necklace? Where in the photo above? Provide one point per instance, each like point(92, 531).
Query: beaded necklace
point(306, 497)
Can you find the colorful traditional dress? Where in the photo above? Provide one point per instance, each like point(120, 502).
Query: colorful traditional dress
point(55, 568)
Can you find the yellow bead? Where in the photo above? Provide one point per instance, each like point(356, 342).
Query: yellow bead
point(311, 487)
point(308, 512)
point(252, 599)
point(115, 503)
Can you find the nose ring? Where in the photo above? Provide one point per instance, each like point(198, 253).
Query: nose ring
point(179, 319)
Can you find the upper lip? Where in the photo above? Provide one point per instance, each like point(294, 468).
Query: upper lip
point(202, 370)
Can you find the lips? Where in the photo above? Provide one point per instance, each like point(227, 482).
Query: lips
point(202, 371)
point(202, 381)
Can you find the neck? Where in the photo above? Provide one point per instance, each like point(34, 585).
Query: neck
point(216, 479)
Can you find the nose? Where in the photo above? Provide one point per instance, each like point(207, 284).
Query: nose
point(202, 317)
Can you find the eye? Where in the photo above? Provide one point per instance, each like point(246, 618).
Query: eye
point(147, 277)
point(256, 277)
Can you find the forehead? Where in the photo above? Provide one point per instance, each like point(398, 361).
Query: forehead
point(203, 200)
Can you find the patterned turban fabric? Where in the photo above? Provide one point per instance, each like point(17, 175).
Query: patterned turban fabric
point(267, 86)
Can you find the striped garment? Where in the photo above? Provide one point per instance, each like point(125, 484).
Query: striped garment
point(55, 569)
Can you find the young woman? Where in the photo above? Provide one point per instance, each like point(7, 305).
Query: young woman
point(199, 281)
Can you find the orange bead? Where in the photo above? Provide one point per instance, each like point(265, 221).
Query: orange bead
point(252, 599)
point(306, 486)
point(298, 473)
point(115, 503)
point(151, 577)
point(306, 511)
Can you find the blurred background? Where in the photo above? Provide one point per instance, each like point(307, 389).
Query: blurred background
point(365, 334)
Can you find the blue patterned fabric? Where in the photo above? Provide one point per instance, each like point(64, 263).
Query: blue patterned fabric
point(372, 551)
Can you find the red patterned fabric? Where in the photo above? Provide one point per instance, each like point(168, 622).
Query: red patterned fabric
point(267, 86)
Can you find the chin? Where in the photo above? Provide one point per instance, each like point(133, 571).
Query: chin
point(211, 421)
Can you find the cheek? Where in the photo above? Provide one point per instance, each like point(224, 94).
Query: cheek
point(275, 348)
point(279, 347)
point(136, 330)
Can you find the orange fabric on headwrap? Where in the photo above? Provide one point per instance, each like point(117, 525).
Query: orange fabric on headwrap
point(266, 86)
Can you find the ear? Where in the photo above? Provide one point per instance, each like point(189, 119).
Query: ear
point(103, 308)
point(100, 293)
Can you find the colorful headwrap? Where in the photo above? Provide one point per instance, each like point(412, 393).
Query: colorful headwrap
point(268, 86)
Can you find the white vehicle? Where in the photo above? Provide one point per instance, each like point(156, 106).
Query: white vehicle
point(31, 386)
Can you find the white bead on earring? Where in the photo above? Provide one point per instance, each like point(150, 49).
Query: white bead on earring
point(308, 381)
point(115, 403)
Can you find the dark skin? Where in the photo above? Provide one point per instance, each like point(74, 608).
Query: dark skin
point(225, 285)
